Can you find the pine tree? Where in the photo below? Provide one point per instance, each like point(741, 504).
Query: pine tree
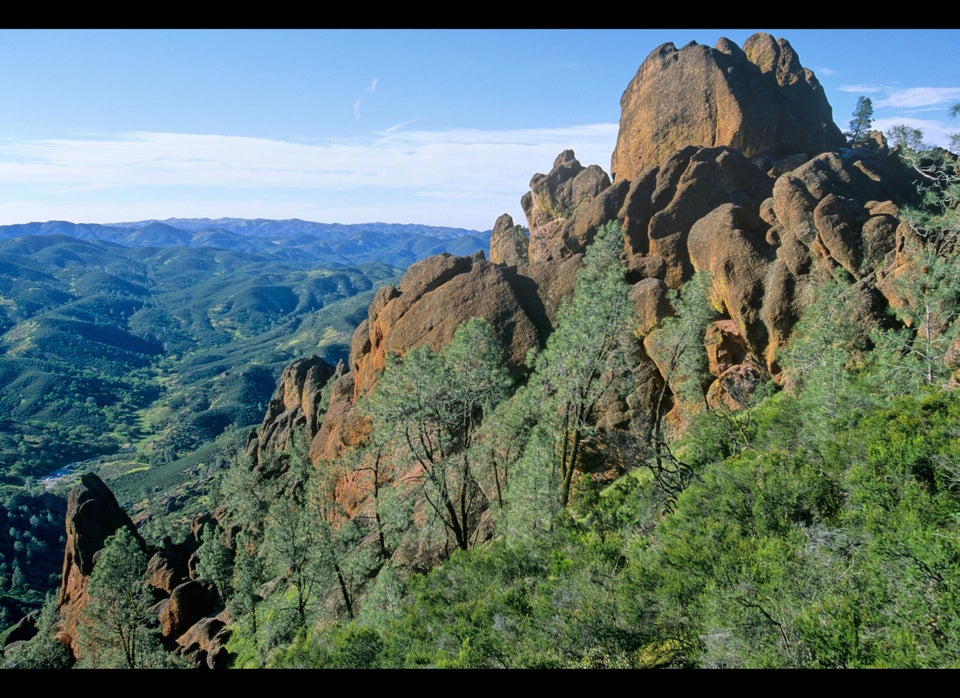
point(215, 561)
point(590, 341)
point(118, 630)
point(427, 409)
point(861, 121)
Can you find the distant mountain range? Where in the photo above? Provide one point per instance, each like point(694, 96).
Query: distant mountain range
point(321, 244)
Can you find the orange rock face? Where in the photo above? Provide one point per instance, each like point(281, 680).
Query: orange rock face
point(758, 100)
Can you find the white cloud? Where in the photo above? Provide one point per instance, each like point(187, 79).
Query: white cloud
point(860, 89)
point(921, 97)
point(365, 91)
point(459, 177)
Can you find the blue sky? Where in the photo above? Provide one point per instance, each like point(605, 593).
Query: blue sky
point(440, 127)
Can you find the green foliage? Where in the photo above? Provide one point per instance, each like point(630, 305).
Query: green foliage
point(580, 362)
point(44, 650)
point(937, 219)
point(118, 629)
point(548, 602)
point(31, 547)
point(215, 561)
point(426, 411)
point(678, 342)
point(861, 121)
point(113, 350)
point(915, 355)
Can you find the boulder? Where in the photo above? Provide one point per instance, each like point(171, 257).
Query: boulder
point(188, 603)
point(730, 244)
point(204, 644)
point(758, 100)
point(564, 208)
point(689, 185)
point(294, 405)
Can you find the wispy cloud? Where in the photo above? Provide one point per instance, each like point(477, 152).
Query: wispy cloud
point(458, 177)
point(366, 91)
point(921, 97)
point(861, 89)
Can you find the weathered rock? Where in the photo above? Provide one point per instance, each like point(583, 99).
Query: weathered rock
point(435, 297)
point(730, 244)
point(204, 644)
point(342, 425)
point(758, 100)
point(856, 176)
point(735, 386)
point(93, 515)
point(25, 629)
point(564, 208)
point(188, 603)
point(691, 184)
point(508, 243)
point(168, 567)
point(432, 300)
point(649, 297)
point(295, 405)
point(725, 346)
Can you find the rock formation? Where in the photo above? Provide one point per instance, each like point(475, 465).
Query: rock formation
point(757, 100)
point(93, 515)
point(727, 162)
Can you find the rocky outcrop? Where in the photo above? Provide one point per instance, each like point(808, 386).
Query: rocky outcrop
point(432, 300)
point(294, 405)
point(204, 644)
point(729, 243)
point(757, 100)
point(659, 211)
point(189, 603)
point(565, 207)
point(93, 515)
point(508, 243)
point(727, 162)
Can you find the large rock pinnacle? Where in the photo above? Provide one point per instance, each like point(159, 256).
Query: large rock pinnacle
point(758, 100)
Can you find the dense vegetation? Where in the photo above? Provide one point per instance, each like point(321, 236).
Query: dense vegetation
point(145, 362)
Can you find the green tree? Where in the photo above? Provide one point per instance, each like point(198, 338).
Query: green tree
point(247, 582)
point(926, 282)
point(915, 355)
point(118, 630)
point(590, 342)
point(861, 121)
point(215, 561)
point(292, 535)
point(427, 408)
point(937, 218)
point(677, 346)
point(44, 650)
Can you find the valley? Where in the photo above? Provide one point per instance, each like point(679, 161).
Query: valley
point(131, 354)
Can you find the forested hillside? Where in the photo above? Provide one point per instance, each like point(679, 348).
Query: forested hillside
point(143, 363)
point(701, 414)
